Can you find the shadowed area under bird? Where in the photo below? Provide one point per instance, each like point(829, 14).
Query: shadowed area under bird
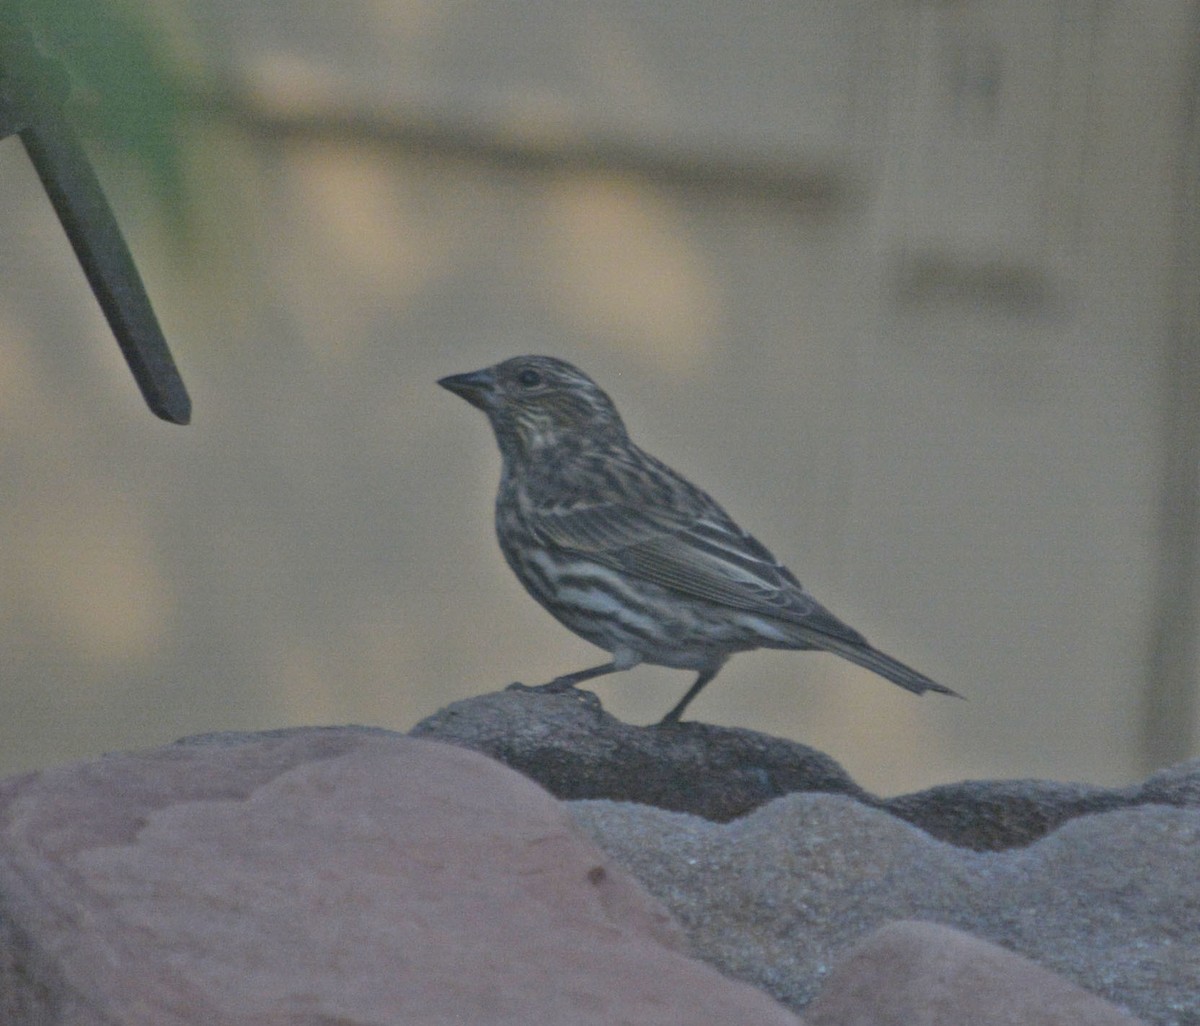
point(629, 554)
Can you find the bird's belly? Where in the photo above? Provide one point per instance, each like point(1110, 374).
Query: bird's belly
point(616, 611)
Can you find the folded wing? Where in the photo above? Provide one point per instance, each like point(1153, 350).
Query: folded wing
point(702, 555)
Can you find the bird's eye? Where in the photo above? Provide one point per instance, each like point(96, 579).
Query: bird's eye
point(529, 378)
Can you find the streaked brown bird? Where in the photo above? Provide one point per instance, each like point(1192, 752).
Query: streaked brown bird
point(629, 554)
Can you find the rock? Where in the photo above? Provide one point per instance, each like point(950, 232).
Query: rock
point(780, 897)
point(908, 973)
point(575, 750)
point(991, 815)
point(1099, 884)
point(358, 876)
point(326, 876)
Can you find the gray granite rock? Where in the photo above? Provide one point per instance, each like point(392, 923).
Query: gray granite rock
point(575, 750)
point(991, 815)
point(781, 896)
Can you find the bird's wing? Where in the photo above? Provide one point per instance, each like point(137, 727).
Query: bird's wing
point(698, 552)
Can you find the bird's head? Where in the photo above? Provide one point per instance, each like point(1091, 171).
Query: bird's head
point(538, 401)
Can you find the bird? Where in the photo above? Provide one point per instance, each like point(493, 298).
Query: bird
point(628, 553)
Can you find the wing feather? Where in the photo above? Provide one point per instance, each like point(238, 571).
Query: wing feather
point(698, 552)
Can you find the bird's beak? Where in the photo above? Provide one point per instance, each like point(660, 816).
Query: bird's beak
point(477, 388)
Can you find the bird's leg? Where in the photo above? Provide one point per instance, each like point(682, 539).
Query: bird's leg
point(568, 681)
point(704, 677)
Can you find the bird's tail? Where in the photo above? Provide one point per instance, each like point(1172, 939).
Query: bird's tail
point(883, 664)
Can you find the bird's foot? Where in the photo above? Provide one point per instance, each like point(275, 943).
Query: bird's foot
point(558, 686)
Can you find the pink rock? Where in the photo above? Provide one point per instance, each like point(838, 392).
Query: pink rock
point(321, 876)
point(922, 974)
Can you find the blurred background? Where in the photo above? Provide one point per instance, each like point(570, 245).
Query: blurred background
point(910, 287)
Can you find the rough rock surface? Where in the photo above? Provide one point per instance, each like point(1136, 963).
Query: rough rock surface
point(780, 897)
point(308, 878)
point(920, 973)
point(350, 875)
point(1100, 885)
point(576, 750)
